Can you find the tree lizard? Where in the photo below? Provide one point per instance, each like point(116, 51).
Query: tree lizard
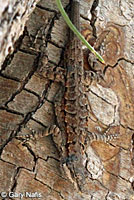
point(70, 133)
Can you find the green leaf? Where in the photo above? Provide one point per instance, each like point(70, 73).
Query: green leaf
point(74, 29)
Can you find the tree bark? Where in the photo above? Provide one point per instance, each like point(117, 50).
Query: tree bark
point(13, 15)
point(27, 102)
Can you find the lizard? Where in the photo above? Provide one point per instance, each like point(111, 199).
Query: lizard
point(70, 133)
point(74, 128)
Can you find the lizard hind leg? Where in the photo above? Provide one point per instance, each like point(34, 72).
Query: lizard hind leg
point(99, 137)
point(31, 134)
point(76, 164)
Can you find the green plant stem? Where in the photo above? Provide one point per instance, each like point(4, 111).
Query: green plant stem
point(74, 29)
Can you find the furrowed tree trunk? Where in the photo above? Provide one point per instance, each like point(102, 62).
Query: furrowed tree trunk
point(27, 100)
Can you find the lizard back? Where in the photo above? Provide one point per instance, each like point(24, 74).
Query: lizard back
point(75, 101)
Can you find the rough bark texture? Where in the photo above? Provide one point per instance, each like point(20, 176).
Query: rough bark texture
point(27, 98)
point(13, 16)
